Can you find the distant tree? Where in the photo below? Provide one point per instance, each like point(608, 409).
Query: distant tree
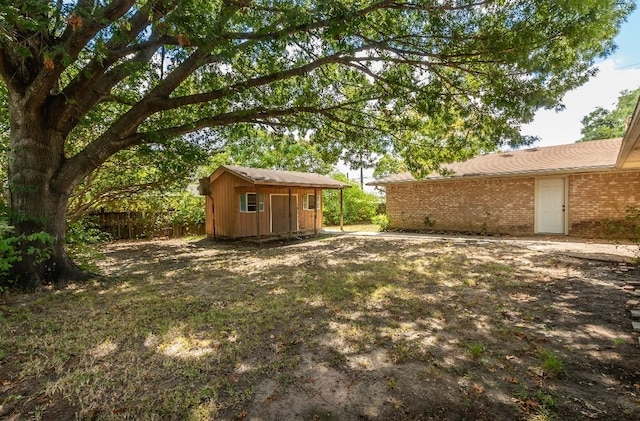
point(366, 145)
point(458, 75)
point(388, 164)
point(606, 124)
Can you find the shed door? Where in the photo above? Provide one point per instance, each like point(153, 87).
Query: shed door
point(551, 204)
point(280, 213)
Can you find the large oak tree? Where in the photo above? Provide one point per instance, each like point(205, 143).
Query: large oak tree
point(440, 79)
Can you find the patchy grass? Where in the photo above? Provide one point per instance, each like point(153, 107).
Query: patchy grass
point(336, 328)
point(551, 363)
point(355, 228)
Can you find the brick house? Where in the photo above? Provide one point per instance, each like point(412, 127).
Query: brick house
point(568, 189)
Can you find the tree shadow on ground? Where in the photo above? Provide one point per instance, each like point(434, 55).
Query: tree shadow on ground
point(337, 328)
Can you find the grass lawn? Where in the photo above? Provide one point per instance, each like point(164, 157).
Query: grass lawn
point(328, 329)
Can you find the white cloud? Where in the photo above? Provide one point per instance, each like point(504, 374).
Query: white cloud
point(557, 128)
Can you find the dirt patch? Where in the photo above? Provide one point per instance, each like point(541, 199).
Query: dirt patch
point(340, 328)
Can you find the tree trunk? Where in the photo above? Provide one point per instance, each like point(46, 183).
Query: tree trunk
point(36, 154)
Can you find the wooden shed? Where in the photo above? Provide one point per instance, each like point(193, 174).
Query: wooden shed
point(254, 202)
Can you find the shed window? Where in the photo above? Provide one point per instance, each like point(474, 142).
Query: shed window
point(248, 202)
point(310, 202)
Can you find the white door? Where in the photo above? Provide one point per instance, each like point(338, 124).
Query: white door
point(550, 206)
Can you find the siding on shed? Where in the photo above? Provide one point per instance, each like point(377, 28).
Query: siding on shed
point(223, 195)
point(231, 223)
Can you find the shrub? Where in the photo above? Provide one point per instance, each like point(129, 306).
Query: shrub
point(188, 209)
point(359, 206)
point(382, 220)
point(39, 245)
point(82, 236)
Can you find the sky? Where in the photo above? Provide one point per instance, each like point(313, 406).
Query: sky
point(617, 72)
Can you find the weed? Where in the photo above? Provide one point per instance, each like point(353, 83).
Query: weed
point(397, 404)
point(429, 222)
point(551, 364)
point(392, 383)
point(545, 400)
point(628, 410)
point(539, 404)
point(484, 229)
point(12, 398)
point(618, 341)
point(477, 349)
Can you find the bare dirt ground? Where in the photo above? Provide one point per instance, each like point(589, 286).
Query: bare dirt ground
point(337, 328)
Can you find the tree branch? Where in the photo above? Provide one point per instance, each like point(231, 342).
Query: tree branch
point(83, 90)
point(73, 40)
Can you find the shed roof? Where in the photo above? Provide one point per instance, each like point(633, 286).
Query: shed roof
point(574, 157)
point(260, 176)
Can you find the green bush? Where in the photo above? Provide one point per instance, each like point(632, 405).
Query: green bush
point(8, 253)
point(40, 245)
point(188, 209)
point(359, 206)
point(382, 220)
point(82, 236)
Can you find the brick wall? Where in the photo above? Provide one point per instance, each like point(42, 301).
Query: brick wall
point(487, 205)
point(507, 205)
point(594, 198)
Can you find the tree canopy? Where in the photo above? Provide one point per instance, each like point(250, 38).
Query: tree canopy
point(602, 123)
point(437, 80)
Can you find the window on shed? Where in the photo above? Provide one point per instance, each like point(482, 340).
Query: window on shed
point(310, 202)
point(249, 202)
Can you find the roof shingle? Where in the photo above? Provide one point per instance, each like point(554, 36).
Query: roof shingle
point(262, 176)
point(581, 156)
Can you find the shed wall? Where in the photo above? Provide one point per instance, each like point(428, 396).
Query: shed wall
point(223, 198)
point(223, 216)
point(246, 224)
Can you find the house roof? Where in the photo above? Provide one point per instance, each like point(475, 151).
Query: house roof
point(260, 176)
point(575, 157)
point(629, 156)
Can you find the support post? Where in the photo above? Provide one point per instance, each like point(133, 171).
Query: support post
point(257, 213)
point(315, 211)
point(289, 206)
point(341, 210)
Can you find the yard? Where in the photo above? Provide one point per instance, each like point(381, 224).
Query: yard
point(337, 328)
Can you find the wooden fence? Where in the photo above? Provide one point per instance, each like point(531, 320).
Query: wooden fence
point(132, 225)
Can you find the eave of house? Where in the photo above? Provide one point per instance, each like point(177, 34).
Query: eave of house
point(512, 174)
point(629, 156)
